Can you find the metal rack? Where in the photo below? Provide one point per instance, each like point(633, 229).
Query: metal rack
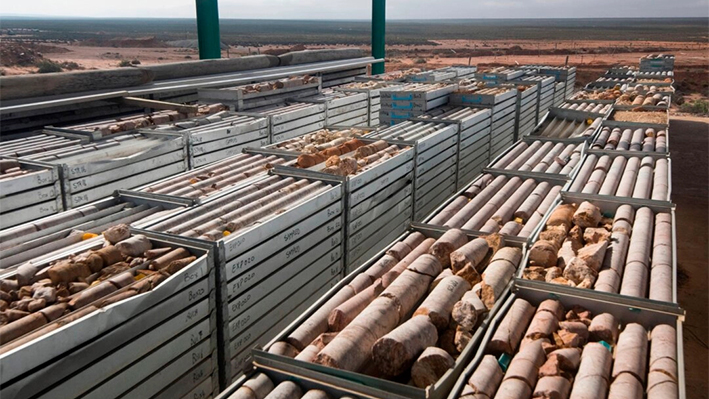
point(373, 89)
point(503, 102)
point(34, 194)
point(299, 248)
point(166, 335)
point(343, 108)
point(435, 162)
point(474, 127)
point(291, 119)
point(378, 201)
point(608, 206)
point(535, 294)
point(364, 385)
point(215, 137)
point(41, 238)
point(412, 100)
point(98, 169)
point(245, 97)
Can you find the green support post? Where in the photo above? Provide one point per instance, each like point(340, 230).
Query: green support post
point(210, 44)
point(378, 33)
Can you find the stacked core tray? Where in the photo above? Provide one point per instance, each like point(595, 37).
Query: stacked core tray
point(412, 100)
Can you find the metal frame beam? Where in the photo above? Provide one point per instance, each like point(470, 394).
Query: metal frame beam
point(208, 38)
point(378, 34)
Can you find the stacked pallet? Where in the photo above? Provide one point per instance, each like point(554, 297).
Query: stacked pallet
point(566, 75)
point(28, 190)
point(96, 170)
point(527, 108)
point(435, 165)
point(582, 205)
point(545, 91)
point(40, 239)
point(559, 93)
point(462, 71)
point(366, 328)
point(104, 128)
point(44, 142)
point(220, 136)
point(393, 76)
point(281, 248)
point(125, 315)
point(657, 63)
point(502, 100)
point(562, 74)
point(474, 130)
point(245, 97)
point(498, 75)
point(206, 182)
point(378, 177)
point(343, 108)
point(373, 89)
point(434, 76)
point(412, 100)
point(291, 119)
point(342, 76)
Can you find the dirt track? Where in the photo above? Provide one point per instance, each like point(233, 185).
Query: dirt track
point(689, 148)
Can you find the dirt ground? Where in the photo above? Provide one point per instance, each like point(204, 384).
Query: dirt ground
point(591, 57)
point(447, 52)
point(689, 148)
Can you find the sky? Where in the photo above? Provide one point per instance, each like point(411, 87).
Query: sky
point(361, 9)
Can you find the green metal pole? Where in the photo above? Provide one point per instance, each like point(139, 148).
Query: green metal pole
point(208, 29)
point(378, 33)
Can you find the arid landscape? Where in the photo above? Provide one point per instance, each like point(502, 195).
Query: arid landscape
point(591, 45)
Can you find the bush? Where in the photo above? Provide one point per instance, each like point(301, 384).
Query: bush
point(70, 65)
point(420, 61)
point(48, 66)
point(696, 107)
point(124, 63)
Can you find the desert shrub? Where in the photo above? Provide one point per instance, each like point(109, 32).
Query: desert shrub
point(70, 65)
point(696, 107)
point(420, 61)
point(48, 66)
point(124, 63)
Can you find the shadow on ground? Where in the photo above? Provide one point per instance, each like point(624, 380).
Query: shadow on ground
point(689, 150)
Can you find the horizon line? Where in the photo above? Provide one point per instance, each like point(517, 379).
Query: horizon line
point(23, 16)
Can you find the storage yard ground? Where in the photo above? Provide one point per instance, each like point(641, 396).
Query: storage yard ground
point(691, 194)
point(308, 231)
